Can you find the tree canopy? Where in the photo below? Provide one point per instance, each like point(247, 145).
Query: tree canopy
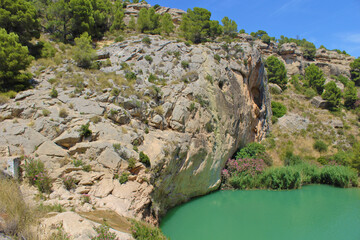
point(20, 17)
point(276, 71)
point(333, 95)
point(15, 59)
point(315, 78)
point(229, 26)
point(355, 71)
point(196, 25)
point(350, 95)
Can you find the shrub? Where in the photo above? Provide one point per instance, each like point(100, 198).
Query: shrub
point(185, 64)
point(148, 58)
point(276, 71)
point(196, 25)
point(103, 233)
point(132, 162)
point(87, 168)
point(77, 162)
point(130, 76)
point(291, 159)
point(320, 146)
point(63, 113)
point(245, 166)
point(48, 51)
point(85, 131)
point(69, 182)
point(146, 40)
point(217, 57)
point(278, 109)
point(36, 174)
point(339, 176)
point(350, 95)
point(355, 71)
point(333, 95)
point(124, 177)
point(144, 159)
point(315, 78)
point(281, 178)
point(143, 231)
point(256, 151)
point(310, 93)
point(45, 112)
point(83, 52)
point(53, 93)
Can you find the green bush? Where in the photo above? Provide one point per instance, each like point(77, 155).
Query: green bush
point(355, 71)
point(15, 59)
point(37, 175)
point(85, 131)
point(276, 71)
point(339, 176)
point(144, 159)
point(243, 181)
point(146, 40)
point(281, 178)
point(251, 150)
point(124, 177)
point(83, 52)
point(333, 95)
point(254, 150)
point(291, 159)
point(196, 25)
point(315, 78)
point(143, 231)
point(185, 64)
point(53, 93)
point(148, 58)
point(350, 95)
point(310, 93)
point(320, 146)
point(130, 76)
point(217, 57)
point(69, 183)
point(48, 51)
point(278, 109)
point(103, 233)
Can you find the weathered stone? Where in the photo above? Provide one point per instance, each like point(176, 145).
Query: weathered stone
point(109, 159)
point(51, 149)
point(85, 106)
point(103, 188)
point(68, 138)
point(319, 102)
point(293, 122)
point(275, 87)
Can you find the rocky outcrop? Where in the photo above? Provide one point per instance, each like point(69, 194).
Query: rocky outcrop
point(187, 111)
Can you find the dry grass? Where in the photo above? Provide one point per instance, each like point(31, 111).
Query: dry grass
point(18, 217)
point(114, 220)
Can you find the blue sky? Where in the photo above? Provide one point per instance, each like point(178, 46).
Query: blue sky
point(332, 23)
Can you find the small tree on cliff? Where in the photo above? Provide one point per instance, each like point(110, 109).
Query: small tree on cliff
point(315, 78)
point(196, 25)
point(355, 71)
point(333, 95)
point(229, 26)
point(276, 71)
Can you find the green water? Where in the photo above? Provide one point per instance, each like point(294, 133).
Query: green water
point(316, 212)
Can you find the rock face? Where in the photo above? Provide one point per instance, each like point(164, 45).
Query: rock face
point(187, 111)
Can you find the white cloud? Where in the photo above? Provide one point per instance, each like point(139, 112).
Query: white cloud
point(354, 38)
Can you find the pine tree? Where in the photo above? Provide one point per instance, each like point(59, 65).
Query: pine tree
point(14, 59)
point(315, 78)
point(167, 25)
point(230, 26)
point(276, 71)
